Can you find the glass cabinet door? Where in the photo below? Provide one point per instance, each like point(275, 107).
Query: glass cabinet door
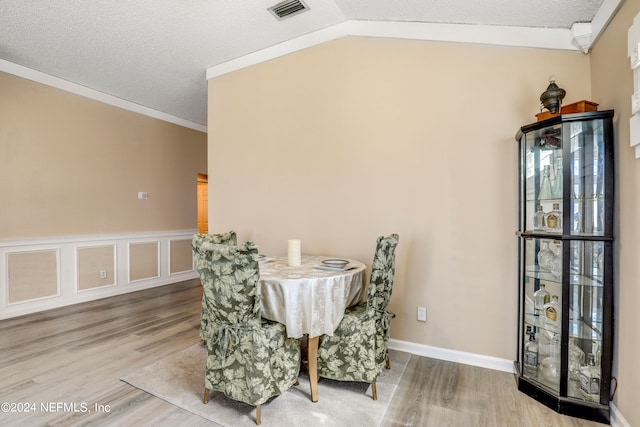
point(543, 312)
point(588, 184)
point(543, 315)
point(586, 308)
point(543, 183)
point(567, 177)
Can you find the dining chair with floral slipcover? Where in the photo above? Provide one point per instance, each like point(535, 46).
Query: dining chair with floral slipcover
point(228, 238)
point(249, 359)
point(358, 349)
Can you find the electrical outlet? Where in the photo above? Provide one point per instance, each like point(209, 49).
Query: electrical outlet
point(103, 274)
point(422, 314)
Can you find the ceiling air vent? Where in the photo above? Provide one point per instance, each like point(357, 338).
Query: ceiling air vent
point(287, 9)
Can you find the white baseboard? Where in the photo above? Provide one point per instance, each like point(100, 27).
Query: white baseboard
point(479, 360)
point(453, 355)
point(617, 420)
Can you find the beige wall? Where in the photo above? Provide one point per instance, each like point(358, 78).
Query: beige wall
point(612, 84)
point(359, 137)
point(144, 259)
point(181, 258)
point(93, 260)
point(32, 275)
point(73, 166)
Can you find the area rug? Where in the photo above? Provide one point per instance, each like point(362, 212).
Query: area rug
point(179, 379)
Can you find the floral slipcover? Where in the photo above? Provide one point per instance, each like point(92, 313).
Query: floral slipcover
point(357, 351)
point(249, 359)
point(201, 240)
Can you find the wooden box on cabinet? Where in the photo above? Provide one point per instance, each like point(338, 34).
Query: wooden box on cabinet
point(577, 107)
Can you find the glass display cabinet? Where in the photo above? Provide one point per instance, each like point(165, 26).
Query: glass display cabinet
point(565, 332)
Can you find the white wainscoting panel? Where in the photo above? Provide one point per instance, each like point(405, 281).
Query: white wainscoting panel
point(68, 268)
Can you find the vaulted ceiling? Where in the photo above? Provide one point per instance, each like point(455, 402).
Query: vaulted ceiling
point(155, 55)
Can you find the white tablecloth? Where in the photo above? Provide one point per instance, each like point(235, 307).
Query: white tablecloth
point(308, 300)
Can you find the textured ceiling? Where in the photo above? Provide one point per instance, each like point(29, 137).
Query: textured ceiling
point(516, 13)
point(155, 53)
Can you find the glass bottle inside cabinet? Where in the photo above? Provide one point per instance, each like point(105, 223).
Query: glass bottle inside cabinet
point(565, 254)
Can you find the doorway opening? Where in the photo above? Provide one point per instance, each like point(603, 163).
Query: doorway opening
point(203, 203)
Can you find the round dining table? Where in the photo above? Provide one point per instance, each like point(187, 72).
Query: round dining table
point(309, 299)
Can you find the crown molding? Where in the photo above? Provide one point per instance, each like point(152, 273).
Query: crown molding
point(543, 38)
point(581, 35)
point(605, 14)
point(67, 86)
point(299, 43)
point(585, 34)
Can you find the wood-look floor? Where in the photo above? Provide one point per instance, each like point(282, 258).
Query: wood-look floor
point(77, 354)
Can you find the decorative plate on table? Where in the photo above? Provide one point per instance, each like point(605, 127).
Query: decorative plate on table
point(335, 264)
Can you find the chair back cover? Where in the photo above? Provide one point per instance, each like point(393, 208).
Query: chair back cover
point(228, 238)
point(200, 244)
point(383, 272)
point(229, 276)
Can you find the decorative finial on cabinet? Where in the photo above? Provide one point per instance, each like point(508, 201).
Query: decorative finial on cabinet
point(551, 98)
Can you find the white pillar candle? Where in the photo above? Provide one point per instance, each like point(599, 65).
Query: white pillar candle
point(293, 253)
